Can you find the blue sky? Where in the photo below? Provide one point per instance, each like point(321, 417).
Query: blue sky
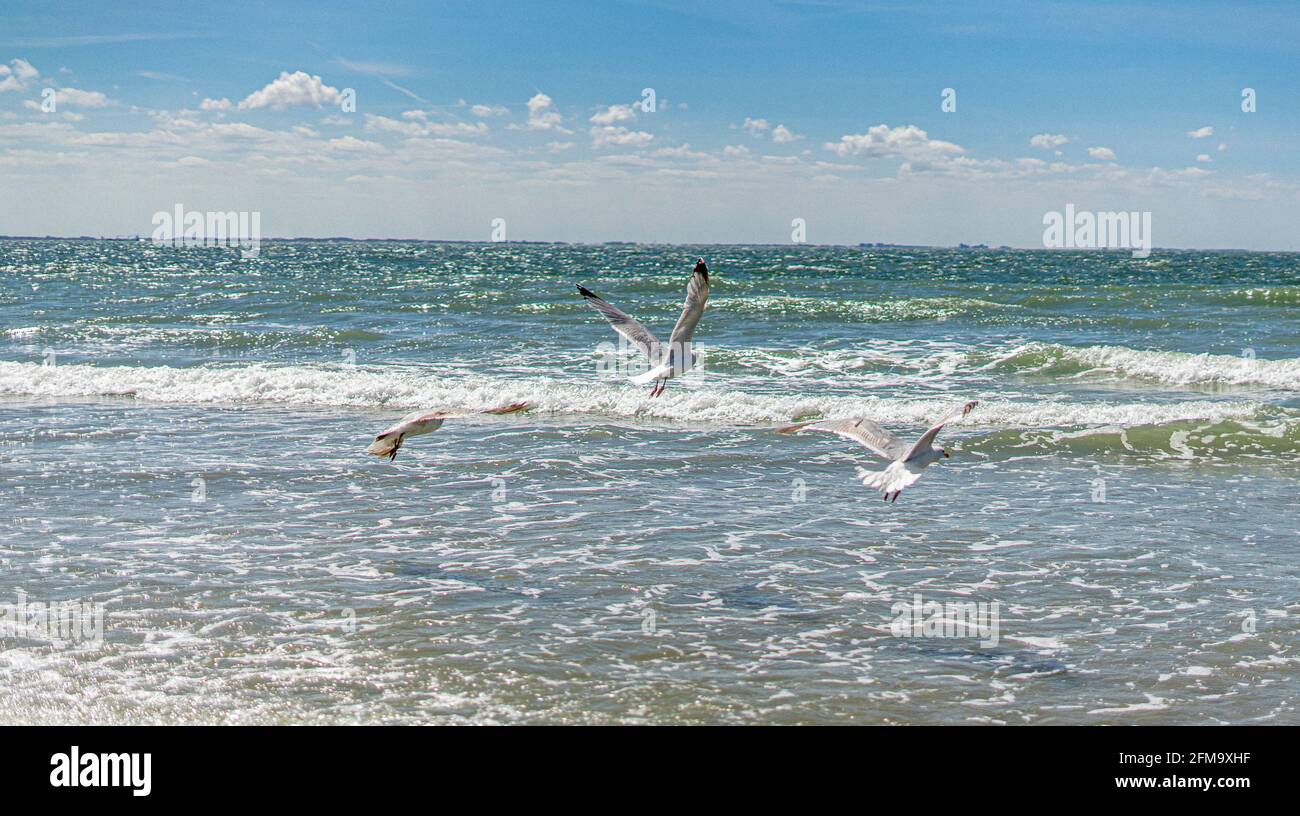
point(237, 106)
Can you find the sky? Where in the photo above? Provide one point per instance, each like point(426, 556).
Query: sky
point(922, 123)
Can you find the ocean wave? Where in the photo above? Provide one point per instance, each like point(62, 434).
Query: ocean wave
point(408, 388)
point(1167, 367)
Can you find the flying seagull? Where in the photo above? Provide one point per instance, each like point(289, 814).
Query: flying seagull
point(905, 462)
point(668, 361)
point(423, 422)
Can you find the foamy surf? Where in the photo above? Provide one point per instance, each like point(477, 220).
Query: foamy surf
point(1167, 367)
point(399, 388)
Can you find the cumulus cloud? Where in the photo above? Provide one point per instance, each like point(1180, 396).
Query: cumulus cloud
point(351, 144)
point(541, 116)
point(484, 111)
point(907, 141)
point(613, 115)
point(298, 89)
point(1048, 141)
point(17, 75)
point(1201, 133)
point(755, 127)
point(735, 151)
point(418, 126)
point(782, 134)
point(1203, 157)
point(81, 99)
point(215, 104)
point(613, 136)
point(1102, 153)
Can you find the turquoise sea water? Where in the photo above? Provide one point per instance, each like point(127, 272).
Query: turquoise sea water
point(182, 438)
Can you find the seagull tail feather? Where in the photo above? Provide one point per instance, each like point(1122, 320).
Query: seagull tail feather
point(383, 444)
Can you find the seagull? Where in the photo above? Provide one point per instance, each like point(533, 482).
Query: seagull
point(668, 361)
point(423, 422)
point(905, 463)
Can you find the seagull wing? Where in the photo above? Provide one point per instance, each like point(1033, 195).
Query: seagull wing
point(927, 438)
point(697, 292)
point(451, 413)
point(624, 324)
point(863, 431)
point(417, 423)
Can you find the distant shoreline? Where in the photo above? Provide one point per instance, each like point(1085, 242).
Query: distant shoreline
point(787, 245)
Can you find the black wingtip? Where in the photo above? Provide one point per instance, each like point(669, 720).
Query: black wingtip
point(701, 269)
point(585, 291)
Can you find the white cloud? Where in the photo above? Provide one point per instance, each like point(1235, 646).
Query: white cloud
point(1222, 147)
point(215, 104)
point(906, 141)
point(351, 144)
point(1203, 157)
point(755, 127)
point(783, 134)
point(1201, 133)
point(419, 127)
point(292, 90)
point(613, 115)
point(17, 75)
point(735, 151)
point(484, 111)
point(1102, 153)
point(619, 136)
point(81, 99)
point(541, 116)
point(1048, 141)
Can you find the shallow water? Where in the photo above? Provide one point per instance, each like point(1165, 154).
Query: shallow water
point(182, 436)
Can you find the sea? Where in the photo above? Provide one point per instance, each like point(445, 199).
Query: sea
point(192, 532)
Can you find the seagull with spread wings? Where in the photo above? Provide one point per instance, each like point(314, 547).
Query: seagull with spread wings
point(905, 462)
point(389, 441)
point(675, 358)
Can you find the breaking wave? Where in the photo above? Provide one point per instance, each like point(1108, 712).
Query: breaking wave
point(1167, 367)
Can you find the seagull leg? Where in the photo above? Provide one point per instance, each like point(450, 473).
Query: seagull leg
point(896, 492)
point(396, 445)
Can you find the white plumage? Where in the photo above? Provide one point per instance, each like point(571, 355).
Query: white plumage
point(675, 358)
point(906, 462)
point(390, 440)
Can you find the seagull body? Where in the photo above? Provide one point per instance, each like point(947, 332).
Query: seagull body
point(906, 463)
point(675, 358)
point(390, 440)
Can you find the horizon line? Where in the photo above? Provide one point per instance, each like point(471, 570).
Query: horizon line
point(616, 242)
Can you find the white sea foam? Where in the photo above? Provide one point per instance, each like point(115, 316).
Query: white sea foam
point(399, 388)
point(1170, 367)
